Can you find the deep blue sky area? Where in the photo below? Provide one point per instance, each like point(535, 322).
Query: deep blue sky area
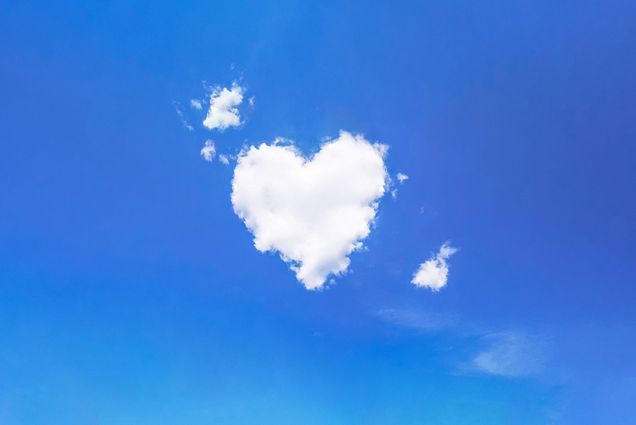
point(130, 292)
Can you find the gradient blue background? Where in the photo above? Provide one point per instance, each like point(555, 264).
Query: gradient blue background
point(131, 294)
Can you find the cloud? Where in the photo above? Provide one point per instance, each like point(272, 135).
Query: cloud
point(511, 354)
point(433, 273)
point(313, 212)
point(182, 117)
point(224, 159)
point(208, 150)
point(223, 112)
point(402, 177)
point(417, 319)
point(196, 104)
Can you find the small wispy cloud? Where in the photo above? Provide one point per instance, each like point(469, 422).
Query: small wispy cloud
point(511, 355)
point(196, 104)
point(401, 178)
point(508, 354)
point(417, 319)
point(433, 273)
point(182, 117)
point(208, 150)
point(224, 159)
point(223, 112)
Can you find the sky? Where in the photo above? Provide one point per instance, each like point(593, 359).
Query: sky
point(315, 212)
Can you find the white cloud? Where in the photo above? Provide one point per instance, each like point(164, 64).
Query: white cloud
point(511, 354)
point(433, 273)
point(182, 117)
point(401, 179)
point(223, 112)
point(251, 101)
point(208, 150)
point(313, 212)
point(196, 104)
point(224, 159)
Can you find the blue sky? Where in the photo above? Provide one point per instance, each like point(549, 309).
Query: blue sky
point(131, 293)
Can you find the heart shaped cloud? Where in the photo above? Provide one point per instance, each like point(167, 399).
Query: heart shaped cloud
point(314, 213)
